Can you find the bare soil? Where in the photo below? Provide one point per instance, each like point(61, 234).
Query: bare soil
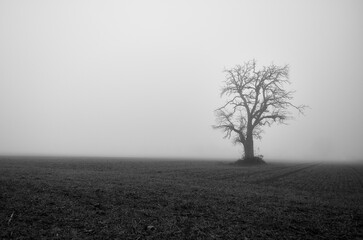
point(69, 198)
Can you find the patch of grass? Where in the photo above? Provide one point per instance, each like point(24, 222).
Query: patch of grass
point(110, 199)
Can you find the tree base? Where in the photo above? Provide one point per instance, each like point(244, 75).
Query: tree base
point(254, 161)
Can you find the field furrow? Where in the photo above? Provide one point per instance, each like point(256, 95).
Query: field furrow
point(102, 199)
point(275, 177)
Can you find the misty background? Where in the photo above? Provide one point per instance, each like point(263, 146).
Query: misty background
point(142, 78)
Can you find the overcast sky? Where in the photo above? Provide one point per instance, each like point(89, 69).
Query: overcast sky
point(142, 78)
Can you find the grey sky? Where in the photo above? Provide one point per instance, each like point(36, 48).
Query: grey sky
point(142, 78)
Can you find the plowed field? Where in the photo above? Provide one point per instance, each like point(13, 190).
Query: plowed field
point(149, 199)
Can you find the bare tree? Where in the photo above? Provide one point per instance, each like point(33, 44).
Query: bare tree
point(256, 97)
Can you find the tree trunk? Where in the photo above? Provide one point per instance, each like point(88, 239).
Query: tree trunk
point(248, 147)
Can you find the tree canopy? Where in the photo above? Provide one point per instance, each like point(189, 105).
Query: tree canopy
point(256, 97)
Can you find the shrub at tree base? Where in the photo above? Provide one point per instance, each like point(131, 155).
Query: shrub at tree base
point(251, 161)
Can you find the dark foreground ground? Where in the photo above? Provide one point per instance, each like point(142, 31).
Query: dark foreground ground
point(109, 199)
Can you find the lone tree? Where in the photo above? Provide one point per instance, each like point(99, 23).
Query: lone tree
point(256, 97)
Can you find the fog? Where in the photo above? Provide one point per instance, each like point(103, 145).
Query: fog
point(142, 78)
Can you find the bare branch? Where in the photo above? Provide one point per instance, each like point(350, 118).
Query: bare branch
point(257, 97)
